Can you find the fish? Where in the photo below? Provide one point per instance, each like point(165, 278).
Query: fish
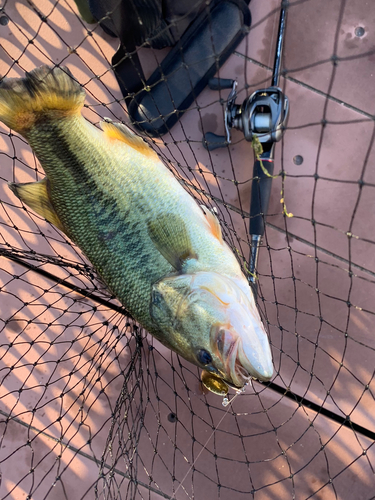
point(156, 249)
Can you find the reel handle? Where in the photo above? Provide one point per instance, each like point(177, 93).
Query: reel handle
point(220, 83)
point(212, 141)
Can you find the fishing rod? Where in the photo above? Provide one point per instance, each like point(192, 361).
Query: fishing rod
point(262, 118)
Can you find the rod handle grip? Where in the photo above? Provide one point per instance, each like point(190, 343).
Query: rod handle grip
point(260, 196)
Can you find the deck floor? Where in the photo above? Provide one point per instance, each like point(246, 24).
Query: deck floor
point(77, 418)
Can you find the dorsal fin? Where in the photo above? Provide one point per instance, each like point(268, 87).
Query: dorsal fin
point(170, 236)
point(35, 195)
point(123, 133)
point(213, 223)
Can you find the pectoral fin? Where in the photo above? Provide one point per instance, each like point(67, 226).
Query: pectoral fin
point(170, 236)
point(35, 195)
point(123, 133)
point(213, 222)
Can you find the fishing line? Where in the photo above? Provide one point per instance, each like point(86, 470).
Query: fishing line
point(206, 443)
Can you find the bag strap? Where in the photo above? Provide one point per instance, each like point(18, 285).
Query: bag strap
point(128, 71)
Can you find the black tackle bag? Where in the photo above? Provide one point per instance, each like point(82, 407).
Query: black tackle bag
point(203, 34)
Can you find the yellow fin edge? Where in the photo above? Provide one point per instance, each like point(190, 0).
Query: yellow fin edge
point(35, 196)
point(121, 132)
point(213, 223)
point(44, 92)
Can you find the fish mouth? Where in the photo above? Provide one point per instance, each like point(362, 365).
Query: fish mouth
point(243, 357)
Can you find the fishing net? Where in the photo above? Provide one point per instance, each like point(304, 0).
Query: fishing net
point(93, 407)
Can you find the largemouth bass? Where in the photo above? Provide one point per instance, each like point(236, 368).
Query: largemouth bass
point(157, 250)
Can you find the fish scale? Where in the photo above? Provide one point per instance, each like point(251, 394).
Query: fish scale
point(158, 252)
point(85, 180)
point(102, 204)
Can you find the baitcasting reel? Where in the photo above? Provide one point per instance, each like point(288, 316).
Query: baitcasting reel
point(263, 114)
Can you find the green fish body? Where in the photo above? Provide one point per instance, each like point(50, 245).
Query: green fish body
point(158, 252)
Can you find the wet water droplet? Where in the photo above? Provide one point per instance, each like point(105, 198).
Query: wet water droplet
point(359, 31)
point(298, 160)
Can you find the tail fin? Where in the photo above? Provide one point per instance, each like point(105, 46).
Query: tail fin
point(43, 93)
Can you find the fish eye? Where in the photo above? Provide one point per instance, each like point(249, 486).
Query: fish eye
point(204, 357)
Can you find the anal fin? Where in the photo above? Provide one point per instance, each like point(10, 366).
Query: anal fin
point(35, 196)
point(213, 222)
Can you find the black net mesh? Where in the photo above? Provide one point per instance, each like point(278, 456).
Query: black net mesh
point(91, 406)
